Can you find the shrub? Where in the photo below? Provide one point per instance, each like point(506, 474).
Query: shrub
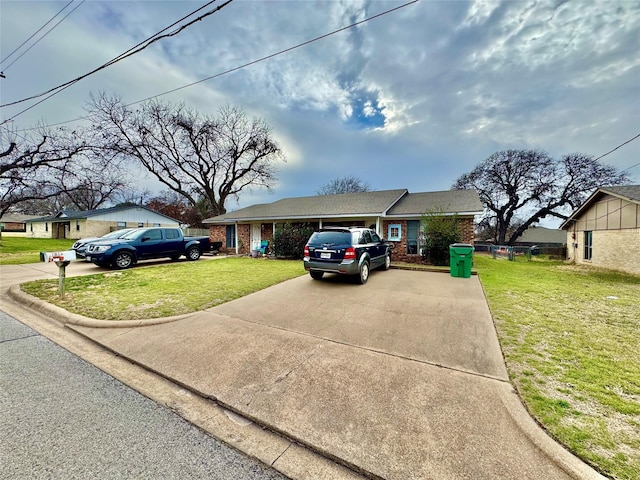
point(439, 232)
point(289, 239)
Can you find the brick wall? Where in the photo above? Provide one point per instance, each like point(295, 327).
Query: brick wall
point(399, 252)
point(614, 249)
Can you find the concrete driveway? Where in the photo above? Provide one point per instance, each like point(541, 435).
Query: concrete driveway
point(397, 379)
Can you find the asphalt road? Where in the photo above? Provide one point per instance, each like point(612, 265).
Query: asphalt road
point(62, 418)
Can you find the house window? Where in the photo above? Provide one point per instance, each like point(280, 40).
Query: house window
point(413, 227)
point(77, 226)
point(156, 224)
point(122, 224)
point(46, 227)
point(140, 224)
point(231, 236)
point(588, 245)
point(395, 232)
point(31, 227)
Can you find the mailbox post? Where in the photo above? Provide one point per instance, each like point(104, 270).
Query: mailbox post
point(61, 259)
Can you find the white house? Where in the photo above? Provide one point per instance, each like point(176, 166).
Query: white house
point(95, 223)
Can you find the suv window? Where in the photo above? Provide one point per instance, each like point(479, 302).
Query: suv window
point(375, 238)
point(331, 238)
point(365, 238)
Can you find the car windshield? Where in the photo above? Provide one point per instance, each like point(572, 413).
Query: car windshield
point(331, 238)
point(133, 234)
point(116, 234)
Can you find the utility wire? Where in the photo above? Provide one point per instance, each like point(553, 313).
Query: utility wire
point(247, 64)
point(621, 145)
point(133, 50)
point(35, 33)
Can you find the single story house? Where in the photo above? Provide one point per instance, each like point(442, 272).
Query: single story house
point(550, 241)
point(394, 214)
point(605, 230)
point(14, 225)
point(95, 223)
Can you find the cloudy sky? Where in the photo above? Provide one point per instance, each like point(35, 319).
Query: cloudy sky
point(411, 99)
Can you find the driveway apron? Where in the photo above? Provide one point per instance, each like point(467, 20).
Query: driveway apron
point(400, 378)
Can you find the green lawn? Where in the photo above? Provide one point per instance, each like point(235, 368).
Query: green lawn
point(571, 339)
point(19, 250)
point(165, 290)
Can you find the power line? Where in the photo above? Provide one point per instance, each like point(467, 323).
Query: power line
point(35, 33)
point(248, 63)
point(133, 50)
point(621, 145)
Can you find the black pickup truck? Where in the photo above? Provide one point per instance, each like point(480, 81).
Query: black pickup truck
point(145, 243)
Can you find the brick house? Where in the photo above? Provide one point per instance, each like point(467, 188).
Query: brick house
point(394, 214)
point(605, 230)
point(95, 223)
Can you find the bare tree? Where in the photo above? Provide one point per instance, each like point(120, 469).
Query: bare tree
point(529, 185)
point(198, 157)
point(348, 184)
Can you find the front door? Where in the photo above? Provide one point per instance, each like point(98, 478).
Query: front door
point(255, 236)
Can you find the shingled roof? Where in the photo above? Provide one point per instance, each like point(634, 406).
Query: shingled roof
point(372, 204)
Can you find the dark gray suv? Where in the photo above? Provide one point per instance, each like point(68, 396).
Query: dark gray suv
point(349, 251)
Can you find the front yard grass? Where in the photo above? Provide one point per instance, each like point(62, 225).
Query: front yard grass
point(571, 339)
point(166, 290)
point(19, 250)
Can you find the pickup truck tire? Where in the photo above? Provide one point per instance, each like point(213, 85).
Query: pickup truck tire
point(193, 253)
point(122, 260)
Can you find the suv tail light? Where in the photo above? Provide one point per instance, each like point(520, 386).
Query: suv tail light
point(306, 250)
point(350, 253)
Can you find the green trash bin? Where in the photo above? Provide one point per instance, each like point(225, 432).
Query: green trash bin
point(460, 259)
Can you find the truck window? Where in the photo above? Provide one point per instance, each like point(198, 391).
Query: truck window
point(172, 234)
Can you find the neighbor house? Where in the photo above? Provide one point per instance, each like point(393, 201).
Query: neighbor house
point(605, 230)
point(550, 241)
point(95, 223)
point(14, 225)
point(394, 214)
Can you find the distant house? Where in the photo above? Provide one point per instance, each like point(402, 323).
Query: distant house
point(605, 230)
point(95, 223)
point(550, 241)
point(14, 225)
point(394, 214)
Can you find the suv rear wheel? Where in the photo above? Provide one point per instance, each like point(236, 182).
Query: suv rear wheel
point(364, 273)
point(316, 275)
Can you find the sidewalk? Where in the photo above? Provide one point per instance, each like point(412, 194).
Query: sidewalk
point(420, 392)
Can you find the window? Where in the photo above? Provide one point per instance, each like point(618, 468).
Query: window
point(31, 227)
point(375, 238)
point(172, 234)
point(588, 245)
point(395, 232)
point(46, 227)
point(156, 224)
point(154, 234)
point(140, 224)
point(365, 238)
point(413, 228)
point(231, 236)
point(77, 226)
point(122, 224)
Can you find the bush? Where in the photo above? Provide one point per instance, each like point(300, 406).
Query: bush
point(289, 239)
point(439, 231)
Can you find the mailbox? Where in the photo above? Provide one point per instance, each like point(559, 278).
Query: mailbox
point(66, 256)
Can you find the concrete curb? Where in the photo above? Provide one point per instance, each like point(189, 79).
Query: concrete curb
point(568, 462)
point(65, 317)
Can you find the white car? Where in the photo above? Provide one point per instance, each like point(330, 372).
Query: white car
point(80, 246)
